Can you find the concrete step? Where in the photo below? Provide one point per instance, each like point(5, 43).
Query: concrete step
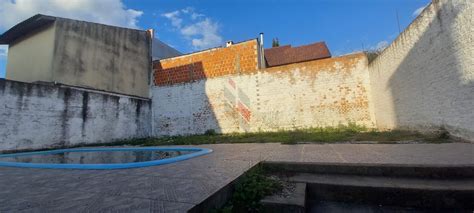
point(384, 182)
point(290, 202)
point(393, 191)
point(337, 207)
point(392, 170)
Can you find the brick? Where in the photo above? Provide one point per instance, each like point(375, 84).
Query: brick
point(213, 63)
point(276, 98)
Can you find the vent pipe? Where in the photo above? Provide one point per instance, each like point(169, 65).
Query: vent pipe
point(262, 52)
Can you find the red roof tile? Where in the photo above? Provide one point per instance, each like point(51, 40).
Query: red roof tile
point(282, 55)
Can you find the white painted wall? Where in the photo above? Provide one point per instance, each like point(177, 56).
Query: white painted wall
point(320, 93)
point(34, 116)
point(425, 79)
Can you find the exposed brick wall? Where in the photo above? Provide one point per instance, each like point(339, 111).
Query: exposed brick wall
point(318, 93)
point(238, 58)
point(425, 79)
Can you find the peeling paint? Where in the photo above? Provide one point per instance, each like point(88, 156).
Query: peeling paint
point(303, 95)
point(61, 116)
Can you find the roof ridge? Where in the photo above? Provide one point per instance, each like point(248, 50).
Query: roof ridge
point(277, 56)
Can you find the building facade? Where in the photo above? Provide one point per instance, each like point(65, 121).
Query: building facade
point(78, 53)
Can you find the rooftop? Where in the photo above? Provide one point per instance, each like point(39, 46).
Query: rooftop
point(37, 22)
point(287, 54)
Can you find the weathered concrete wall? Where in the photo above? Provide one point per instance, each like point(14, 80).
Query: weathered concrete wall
point(425, 79)
point(238, 58)
point(103, 57)
point(30, 58)
point(319, 93)
point(34, 116)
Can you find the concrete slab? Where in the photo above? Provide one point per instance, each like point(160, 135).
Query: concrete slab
point(180, 186)
point(294, 202)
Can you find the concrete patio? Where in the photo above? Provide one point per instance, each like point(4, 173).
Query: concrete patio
point(180, 186)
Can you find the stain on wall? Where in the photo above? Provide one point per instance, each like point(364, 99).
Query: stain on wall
point(425, 79)
point(102, 57)
point(239, 105)
point(318, 93)
point(36, 116)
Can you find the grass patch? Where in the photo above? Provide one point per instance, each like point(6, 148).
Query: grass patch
point(253, 186)
point(350, 133)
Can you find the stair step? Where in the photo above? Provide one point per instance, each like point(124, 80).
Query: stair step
point(393, 170)
point(294, 202)
point(395, 191)
point(384, 182)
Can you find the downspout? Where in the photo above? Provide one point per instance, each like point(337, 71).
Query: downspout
point(151, 35)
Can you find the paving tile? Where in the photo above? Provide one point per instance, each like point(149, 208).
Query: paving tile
point(166, 189)
point(179, 186)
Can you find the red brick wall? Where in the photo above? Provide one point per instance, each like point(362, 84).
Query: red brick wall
point(238, 58)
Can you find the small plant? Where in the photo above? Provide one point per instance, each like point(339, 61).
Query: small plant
point(253, 186)
point(374, 52)
point(372, 55)
point(210, 132)
point(342, 133)
point(275, 42)
point(443, 134)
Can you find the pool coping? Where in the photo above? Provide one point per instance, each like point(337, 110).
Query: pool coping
point(198, 152)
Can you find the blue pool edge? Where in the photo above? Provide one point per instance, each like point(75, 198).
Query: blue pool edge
point(198, 152)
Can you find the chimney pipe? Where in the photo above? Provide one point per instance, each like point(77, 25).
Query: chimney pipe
point(262, 52)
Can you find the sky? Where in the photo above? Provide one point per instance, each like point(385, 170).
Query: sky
point(192, 25)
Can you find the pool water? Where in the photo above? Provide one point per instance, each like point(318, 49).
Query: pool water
point(101, 158)
point(97, 157)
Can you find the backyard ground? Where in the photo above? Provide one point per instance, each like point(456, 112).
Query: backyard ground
point(180, 186)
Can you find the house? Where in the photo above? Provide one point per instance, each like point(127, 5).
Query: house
point(161, 50)
point(287, 54)
point(234, 58)
point(82, 54)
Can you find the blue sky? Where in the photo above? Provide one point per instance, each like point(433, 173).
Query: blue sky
point(191, 25)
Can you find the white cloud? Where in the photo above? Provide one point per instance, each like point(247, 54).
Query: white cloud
point(111, 12)
point(202, 32)
point(176, 21)
point(418, 11)
point(3, 51)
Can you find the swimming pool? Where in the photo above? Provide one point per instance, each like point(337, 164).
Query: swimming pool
point(101, 158)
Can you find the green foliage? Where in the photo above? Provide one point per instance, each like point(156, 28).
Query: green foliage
point(341, 133)
point(210, 132)
point(275, 42)
point(443, 133)
point(253, 186)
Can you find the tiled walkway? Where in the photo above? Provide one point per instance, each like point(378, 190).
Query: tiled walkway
point(178, 187)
